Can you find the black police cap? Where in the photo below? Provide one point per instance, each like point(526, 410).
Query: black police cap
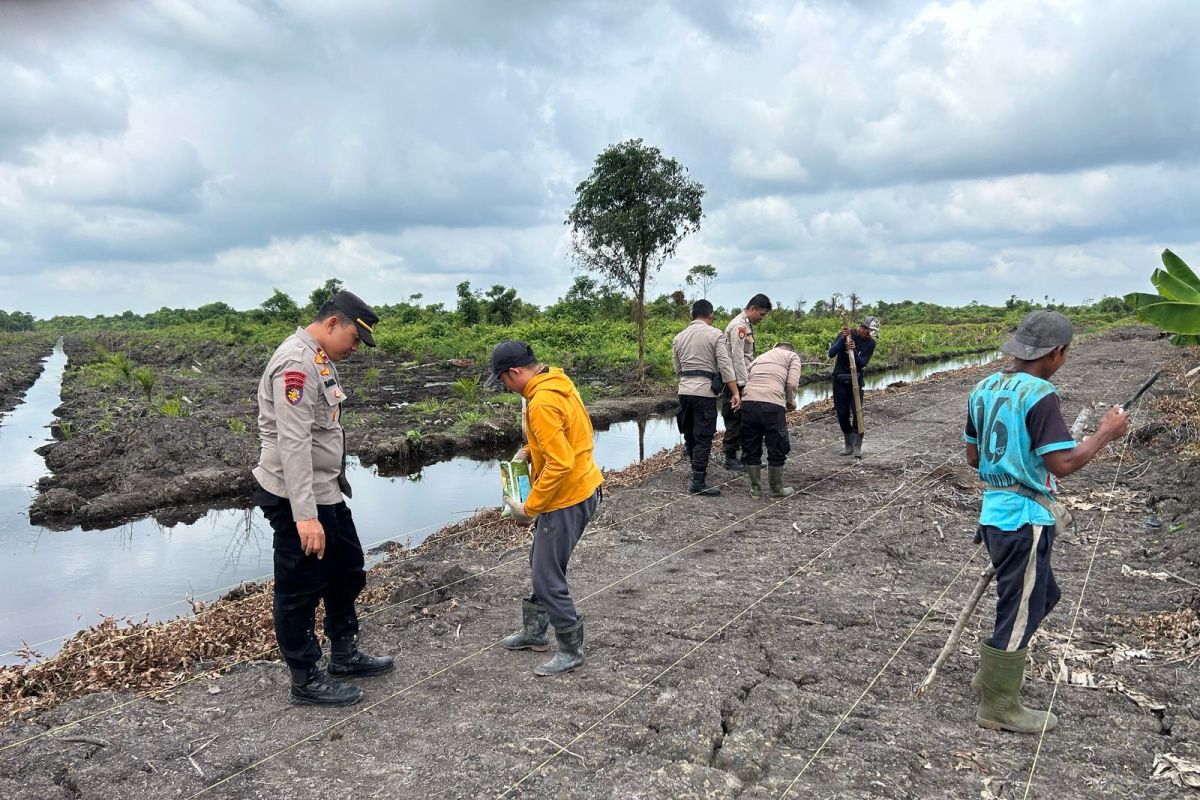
point(353, 307)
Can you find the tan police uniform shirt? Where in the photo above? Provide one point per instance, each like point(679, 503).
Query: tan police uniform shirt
point(739, 333)
point(299, 422)
point(774, 377)
point(700, 346)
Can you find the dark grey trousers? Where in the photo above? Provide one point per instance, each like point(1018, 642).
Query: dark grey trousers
point(554, 538)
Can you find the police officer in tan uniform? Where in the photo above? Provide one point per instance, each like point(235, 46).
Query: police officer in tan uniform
point(770, 394)
point(701, 359)
point(301, 472)
point(739, 335)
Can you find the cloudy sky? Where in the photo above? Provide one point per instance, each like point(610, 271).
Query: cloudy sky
point(178, 152)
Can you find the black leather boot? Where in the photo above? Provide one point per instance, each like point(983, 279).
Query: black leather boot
point(733, 463)
point(532, 635)
point(313, 687)
point(346, 660)
point(699, 488)
point(570, 651)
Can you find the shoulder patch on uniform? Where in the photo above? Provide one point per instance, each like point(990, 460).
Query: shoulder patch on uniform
point(293, 382)
point(741, 332)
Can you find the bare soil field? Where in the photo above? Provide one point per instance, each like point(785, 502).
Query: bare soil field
point(737, 648)
point(23, 356)
point(124, 458)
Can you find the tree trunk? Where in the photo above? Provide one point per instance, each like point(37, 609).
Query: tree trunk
point(641, 321)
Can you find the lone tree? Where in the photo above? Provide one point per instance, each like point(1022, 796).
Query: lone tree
point(281, 306)
point(629, 215)
point(702, 275)
point(324, 293)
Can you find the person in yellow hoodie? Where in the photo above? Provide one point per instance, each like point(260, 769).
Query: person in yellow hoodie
point(565, 491)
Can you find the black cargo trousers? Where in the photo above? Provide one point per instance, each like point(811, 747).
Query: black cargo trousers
point(301, 581)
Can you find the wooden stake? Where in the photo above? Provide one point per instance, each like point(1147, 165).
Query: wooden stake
point(850, 357)
point(984, 579)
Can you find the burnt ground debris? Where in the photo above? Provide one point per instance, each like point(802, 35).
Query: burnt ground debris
point(731, 652)
point(23, 357)
point(125, 458)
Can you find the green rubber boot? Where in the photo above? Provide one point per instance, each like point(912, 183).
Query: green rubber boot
point(755, 473)
point(1000, 676)
point(532, 636)
point(775, 478)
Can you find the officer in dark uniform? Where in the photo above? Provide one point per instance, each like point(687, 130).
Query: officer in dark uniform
point(301, 472)
point(863, 346)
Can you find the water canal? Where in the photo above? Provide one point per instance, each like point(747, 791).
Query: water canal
point(55, 583)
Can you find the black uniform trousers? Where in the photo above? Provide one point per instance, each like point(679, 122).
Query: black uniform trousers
point(764, 422)
point(301, 581)
point(733, 423)
point(1025, 587)
point(843, 401)
point(697, 419)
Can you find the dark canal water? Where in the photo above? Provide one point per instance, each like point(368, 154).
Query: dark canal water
point(55, 583)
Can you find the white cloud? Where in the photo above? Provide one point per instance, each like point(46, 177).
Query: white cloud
point(218, 149)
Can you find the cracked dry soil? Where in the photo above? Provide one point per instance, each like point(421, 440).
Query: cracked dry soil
point(736, 648)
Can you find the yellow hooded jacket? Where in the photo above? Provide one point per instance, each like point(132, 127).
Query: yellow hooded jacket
point(560, 444)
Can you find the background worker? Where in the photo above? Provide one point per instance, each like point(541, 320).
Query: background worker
point(770, 393)
point(564, 495)
point(1017, 439)
point(860, 342)
point(701, 360)
point(739, 337)
point(301, 472)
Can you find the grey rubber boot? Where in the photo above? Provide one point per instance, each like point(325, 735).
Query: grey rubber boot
point(699, 488)
point(532, 635)
point(775, 478)
point(858, 437)
point(755, 473)
point(570, 651)
point(1000, 677)
point(848, 450)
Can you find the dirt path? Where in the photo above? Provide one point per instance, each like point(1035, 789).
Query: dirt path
point(736, 648)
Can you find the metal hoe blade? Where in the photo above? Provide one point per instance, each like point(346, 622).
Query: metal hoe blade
point(1129, 403)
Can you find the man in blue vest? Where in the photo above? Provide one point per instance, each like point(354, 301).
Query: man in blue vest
point(1017, 439)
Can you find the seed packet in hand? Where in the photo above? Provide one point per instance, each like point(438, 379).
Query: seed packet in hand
point(514, 476)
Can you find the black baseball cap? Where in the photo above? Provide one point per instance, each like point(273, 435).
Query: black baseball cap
point(506, 355)
point(1038, 334)
point(353, 307)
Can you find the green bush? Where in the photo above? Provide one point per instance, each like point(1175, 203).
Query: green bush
point(172, 407)
point(146, 379)
point(467, 389)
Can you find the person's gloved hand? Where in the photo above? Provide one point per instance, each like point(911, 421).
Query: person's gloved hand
point(518, 511)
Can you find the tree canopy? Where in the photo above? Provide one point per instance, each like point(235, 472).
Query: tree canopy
point(629, 216)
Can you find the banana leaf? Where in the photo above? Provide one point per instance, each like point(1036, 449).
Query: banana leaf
point(1172, 288)
point(1172, 316)
point(1179, 270)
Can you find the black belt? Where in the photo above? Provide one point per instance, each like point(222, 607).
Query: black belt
point(698, 373)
